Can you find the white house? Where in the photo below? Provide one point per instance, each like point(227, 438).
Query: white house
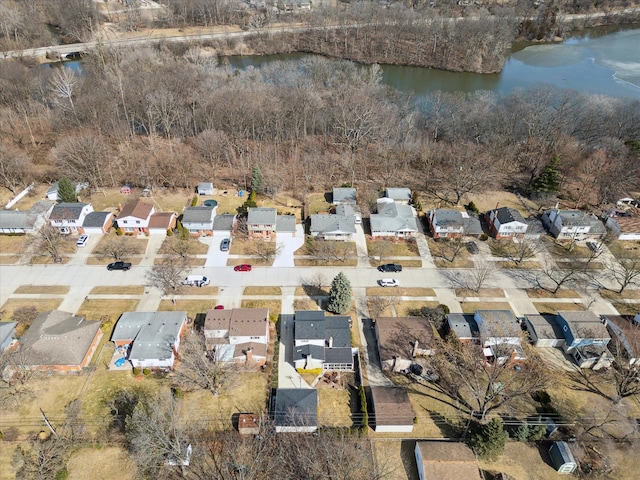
point(399, 195)
point(199, 220)
point(97, 223)
point(344, 195)
point(452, 224)
point(393, 220)
point(573, 224)
point(338, 226)
point(135, 216)
point(25, 221)
point(152, 339)
point(505, 222)
point(69, 217)
point(161, 222)
point(205, 188)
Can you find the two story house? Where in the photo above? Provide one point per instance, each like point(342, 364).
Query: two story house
point(264, 222)
point(452, 224)
point(500, 334)
point(506, 223)
point(135, 216)
point(322, 342)
point(199, 220)
point(69, 217)
point(238, 335)
point(573, 224)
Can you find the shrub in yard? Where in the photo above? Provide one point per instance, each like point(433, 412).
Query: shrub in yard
point(136, 371)
point(363, 407)
point(194, 202)
point(314, 371)
point(488, 439)
point(118, 231)
point(484, 237)
point(146, 371)
point(472, 208)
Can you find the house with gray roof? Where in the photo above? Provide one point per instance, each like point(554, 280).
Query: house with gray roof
point(544, 331)
point(96, 223)
point(286, 224)
point(586, 338)
point(239, 334)
point(399, 195)
point(60, 341)
point(463, 326)
point(69, 217)
point(205, 188)
point(7, 334)
point(224, 224)
point(15, 221)
point(393, 220)
point(199, 220)
point(500, 334)
point(264, 222)
point(338, 226)
point(506, 223)
point(322, 341)
point(344, 195)
point(296, 410)
point(573, 224)
point(445, 223)
point(625, 335)
point(152, 339)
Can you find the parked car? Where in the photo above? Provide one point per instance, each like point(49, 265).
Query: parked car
point(390, 267)
point(245, 267)
point(119, 266)
point(196, 281)
point(594, 247)
point(82, 240)
point(219, 307)
point(224, 244)
point(472, 247)
point(388, 282)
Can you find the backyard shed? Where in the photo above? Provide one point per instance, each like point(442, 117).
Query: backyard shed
point(562, 458)
point(205, 188)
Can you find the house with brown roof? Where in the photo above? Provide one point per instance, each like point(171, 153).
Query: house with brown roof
point(60, 341)
point(238, 335)
point(625, 338)
point(402, 339)
point(159, 223)
point(135, 216)
point(439, 460)
point(624, 224)
point(249, 424)
point(392, 410)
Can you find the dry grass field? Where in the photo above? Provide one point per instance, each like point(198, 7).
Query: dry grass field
point(470, 307)
point(117, 290)
point(274, 306)
point(262, 291)
point(101, 464)
point(192, 307)
point(562, 293)
point(94, 309)
point(401, 291)
point(317, 203)
point(334, 410)
point(13, 243)
point(483, 292)
point(392, 248)
point(43, 289)
point(41, 304)
point(552, 308)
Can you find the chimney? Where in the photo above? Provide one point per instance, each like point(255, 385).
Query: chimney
point(309, 359)
point(249, 355)
point(330, 342)
point(415, 349)
point(497, 205)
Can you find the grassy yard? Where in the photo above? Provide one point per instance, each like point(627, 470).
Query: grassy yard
point(94, 309)
point(305, 304)
point(552, 308)
point(404, 263)
point(470, 307)
point(41, 304)
point(206, 290)
point(487, 200)
point(262, 291)
point(138, 245)
point(483, 292)
point(625, 249)
point(43, 289)
point(274, 306)
point(334, 408)
point(192, 307)
point(312, 291)
point(384, 248)
point(396, 458)
point(309, 262)
point(195, 247)
point(407, 308)
point(316, 203)
point(457, 263)
point(626, 308)
point(627, 293)
point(401, 291)
point(227, 202)
point(13, 243)
point(101, 464)
point(560, 249)
point(9, 259)
point(117, 290)
point(164, 200)
point(256, 262)
point(562, 293)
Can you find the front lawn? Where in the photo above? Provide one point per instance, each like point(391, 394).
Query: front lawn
point(95, 309)
point(384, 248)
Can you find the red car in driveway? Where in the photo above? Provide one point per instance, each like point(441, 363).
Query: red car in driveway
point(219, 307)
point(245, 267)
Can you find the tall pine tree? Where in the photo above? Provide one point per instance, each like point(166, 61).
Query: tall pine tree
point(256, 180)
point(548, 182)
point(340, 294)
point(67, 191)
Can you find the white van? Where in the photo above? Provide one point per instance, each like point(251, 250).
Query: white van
point(196, 281)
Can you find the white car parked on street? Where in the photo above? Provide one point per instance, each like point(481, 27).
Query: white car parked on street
point(388, 282)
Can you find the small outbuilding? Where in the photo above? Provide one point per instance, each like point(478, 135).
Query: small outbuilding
point(562, 458)
point(205, 188)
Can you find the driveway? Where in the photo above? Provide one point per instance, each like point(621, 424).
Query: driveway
point(288, 244)
point(361, 247)
point(216, 258)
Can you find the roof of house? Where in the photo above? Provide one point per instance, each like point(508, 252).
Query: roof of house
point(397, 336)
point(392, 406)
point(224, 222)
point(628, 224)
point(67, 211)
point(152, 333)
point(96, 219)
point(7, 329)
point(337, 223)
point(285, 223)
point(136, 209)
point(535, 225)
point(14, 219)
point(240, 322)
point(338, 355)
point(314, 325)
point(584, 324)
point(296, 407)
point(205, 186)
point(59, 338)
point(463, 325)
point(508, 215)
point(457, 219)
point(393, 217)
point(257, 349)
point(545, 326)
point(262, 216)
point(162, 220)
point(448, 460)
point(344, 195)
point(54, 187)
point(497, 323)
point(203, 214)
point(628, 333)
point(248, 420)
point(398, 193)
point(306, 351)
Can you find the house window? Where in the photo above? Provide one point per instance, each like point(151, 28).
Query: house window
point(565, 328)
point(254, 338)
point(124, 221)
point(129, 229)
point(138, 222)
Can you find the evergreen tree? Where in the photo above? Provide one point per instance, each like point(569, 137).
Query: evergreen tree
point(67, 191)
point(250, 202)
point(256, 180)
point(340, 294)
point(489, 439)
point(548, 181)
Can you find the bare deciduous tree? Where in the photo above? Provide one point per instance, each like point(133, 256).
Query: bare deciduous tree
point(50, 242)
point(118, 248)
point(519, 251)
point(16, 376)
point(167, 276)
point(623, 271)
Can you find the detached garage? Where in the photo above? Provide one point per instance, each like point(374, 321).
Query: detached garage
point(392, 410)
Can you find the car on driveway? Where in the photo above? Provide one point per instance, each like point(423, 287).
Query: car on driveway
point(388, 282)
point(244, 267)
point(224, 244)
point(82, 240)
point(390, 267)
point(472, 247)
point(219, 307)
point(119, 266)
